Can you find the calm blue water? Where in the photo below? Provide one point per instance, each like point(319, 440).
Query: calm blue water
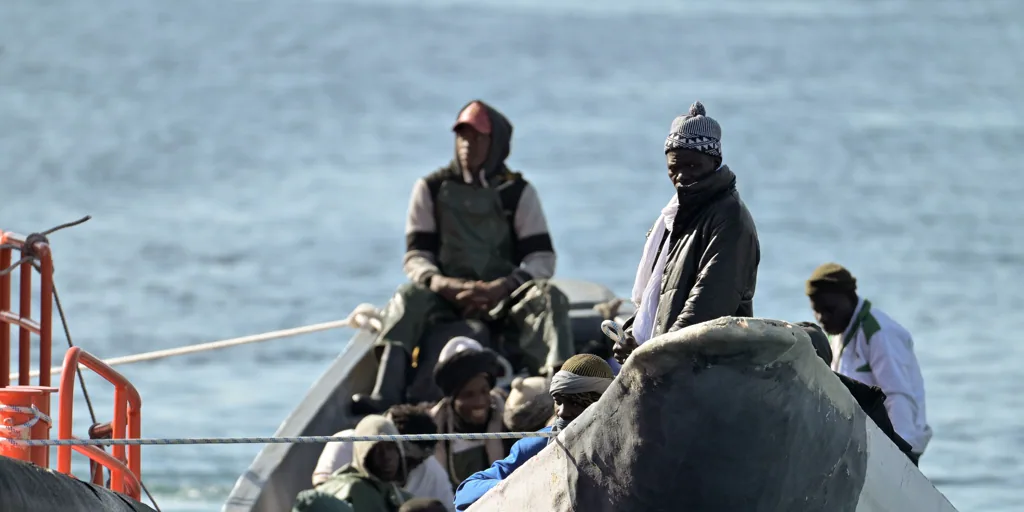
point(248, 166)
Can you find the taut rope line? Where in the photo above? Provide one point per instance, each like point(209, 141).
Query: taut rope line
point(274, 440)
point(365, 316)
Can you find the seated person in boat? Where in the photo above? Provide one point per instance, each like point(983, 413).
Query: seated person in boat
point(371, 483)
point(580, 383)
point(870, 398)
point(701, 256)
point(427, 479)
point(466, 373)
point(477, 247)
point(870, 347)
point(529, 406)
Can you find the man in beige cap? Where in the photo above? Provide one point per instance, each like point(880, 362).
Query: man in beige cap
point(529, 406)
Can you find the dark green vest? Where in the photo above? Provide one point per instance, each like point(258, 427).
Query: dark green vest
point(476, 236)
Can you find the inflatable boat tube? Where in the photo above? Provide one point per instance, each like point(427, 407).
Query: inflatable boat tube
point(25, 487)
point(731, 414)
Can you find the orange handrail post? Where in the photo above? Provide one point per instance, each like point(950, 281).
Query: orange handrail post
point(127, 422)
point(5, 305)
point(132, 486)
point(26, 326)
point(45, 314)
point(24, 334)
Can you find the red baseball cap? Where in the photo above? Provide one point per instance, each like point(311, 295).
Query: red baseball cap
point(474, 115)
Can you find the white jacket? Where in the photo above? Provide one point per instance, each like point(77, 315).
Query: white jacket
point(877, 351)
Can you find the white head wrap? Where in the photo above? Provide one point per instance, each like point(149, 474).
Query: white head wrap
point(568, 383)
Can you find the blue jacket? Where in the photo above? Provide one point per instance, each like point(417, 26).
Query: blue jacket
point(474, 487)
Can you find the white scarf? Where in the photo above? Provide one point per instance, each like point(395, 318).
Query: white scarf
point(647, 285)
point(568, 383)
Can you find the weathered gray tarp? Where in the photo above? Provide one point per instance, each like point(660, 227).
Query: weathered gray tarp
point(26, 487)
point(732, 414)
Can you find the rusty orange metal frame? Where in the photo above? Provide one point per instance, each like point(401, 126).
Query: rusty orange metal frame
point(127, 422)
point(23, 320)
point(132, 487)
point(125, 465)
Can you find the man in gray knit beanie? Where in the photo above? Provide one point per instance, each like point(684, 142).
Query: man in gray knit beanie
point(701, 256)
point(693, 146)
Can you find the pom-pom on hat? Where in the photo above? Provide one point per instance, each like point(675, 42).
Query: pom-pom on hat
point(695, 131)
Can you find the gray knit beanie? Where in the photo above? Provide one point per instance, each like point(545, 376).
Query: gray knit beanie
point(695, 131)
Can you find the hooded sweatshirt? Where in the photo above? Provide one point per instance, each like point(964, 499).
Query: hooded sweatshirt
point(427, 480)
point(534, 252)
point(354, 484)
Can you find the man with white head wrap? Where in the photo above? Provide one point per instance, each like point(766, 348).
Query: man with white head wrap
point(581, 382)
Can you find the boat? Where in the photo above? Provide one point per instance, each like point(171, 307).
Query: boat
point(729, 414)
point(280, 471)
point(889, 482)
point(885, 479)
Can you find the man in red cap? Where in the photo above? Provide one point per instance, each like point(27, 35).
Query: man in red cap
point(477, 247)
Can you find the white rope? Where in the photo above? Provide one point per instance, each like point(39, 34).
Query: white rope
point(364, 316)
point(275, 440)
point(36, 416)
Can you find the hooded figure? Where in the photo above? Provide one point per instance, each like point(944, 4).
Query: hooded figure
point(371, 483)
point(579, 384)
point(426, 477)
point(477, 247)
point(701, 256)
point(466, 372)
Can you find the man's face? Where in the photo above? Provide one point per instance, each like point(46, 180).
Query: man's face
point(471, 147)
point(568, 409)
point(686, 166)
point(473, 402)
point(833, 310)
point(385, 462)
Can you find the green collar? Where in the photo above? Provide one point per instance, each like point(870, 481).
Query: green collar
point(865, 311)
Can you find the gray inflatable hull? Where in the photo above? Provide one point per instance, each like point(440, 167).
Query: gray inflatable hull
point(732, 414)
point(26, 487)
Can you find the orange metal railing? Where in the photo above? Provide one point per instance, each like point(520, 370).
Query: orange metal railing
point(124, 464)
point(127, 422)
point(11, 244)
point(132, 487)
point(25, 414)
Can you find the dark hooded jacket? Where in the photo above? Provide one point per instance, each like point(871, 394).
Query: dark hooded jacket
point(711, 269)
point(353, 483)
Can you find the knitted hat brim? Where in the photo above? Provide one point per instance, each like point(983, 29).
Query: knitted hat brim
point(451, 375)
